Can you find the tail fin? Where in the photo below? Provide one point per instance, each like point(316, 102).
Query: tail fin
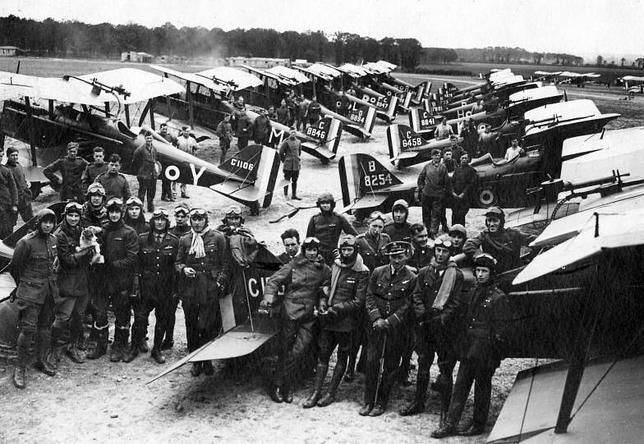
point(364, 116)
point(363, 176)
point(401, 139)
point(422, 121)
point(421, 91)
point(256, 167)
point(326, 139)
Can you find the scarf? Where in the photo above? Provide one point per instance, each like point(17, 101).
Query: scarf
point(196, 246)
point(358, 265)
point(447, 285)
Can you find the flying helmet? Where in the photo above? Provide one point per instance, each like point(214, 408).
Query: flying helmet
point(326, 198)
point(46, 215)
point(458, 229)
point(485, 260)
point(199, 213)
point(134, 202)
point(114, 203)
point(310, 243)
point(73, 207)
point(95, 189)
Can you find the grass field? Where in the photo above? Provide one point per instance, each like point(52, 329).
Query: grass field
point(528, 70)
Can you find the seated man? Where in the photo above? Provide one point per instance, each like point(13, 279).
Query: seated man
point(514, 150)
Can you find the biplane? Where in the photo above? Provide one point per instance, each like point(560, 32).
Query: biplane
point(85, 113)
point(205, 103)
point(357, 115)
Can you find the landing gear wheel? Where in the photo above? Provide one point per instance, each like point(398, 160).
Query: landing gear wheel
point(486, 197)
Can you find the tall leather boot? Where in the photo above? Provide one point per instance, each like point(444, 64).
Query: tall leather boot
point(43, 341)
point(338, 373)
point(100, 333)
point(294, 194)
point(418, 404)
point(22, 347)
point(157, 344)
point(57, 345)
point(133, 351)
point(120, 342)
point(286, 191)
point(320, 374)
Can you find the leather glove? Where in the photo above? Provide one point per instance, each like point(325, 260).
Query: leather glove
point(322, 307)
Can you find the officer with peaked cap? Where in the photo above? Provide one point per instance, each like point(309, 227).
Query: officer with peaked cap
point(387, 302)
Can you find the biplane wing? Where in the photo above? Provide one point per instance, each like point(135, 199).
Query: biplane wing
point(588, 233)
point(612, 414)
point(194, 78)
point(288, 73)
point(235, 79)
point(139, 85)
point(48, 88)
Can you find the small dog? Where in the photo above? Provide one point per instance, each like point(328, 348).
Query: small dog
point(87, 240)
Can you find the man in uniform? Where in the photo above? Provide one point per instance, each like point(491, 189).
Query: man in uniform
point(458, 236)
point(433, 187)
point(290, 152)
point(71, 169)
point(8, 201)
point(387, 302)
point(134, 216)
point(480, 349)
point(504, 244)
point(94, 213)
point(22, 186)
point(438, 284)
point(291, 242)
point(300, 115)
point(306, 275)
point(313, 111)
point(327, 226)
point(370, 246)
point(187, 144)
point(95, 168)
point(155, 284)
point(166, 188)
point(398, 229)
point(262, 128)
point(464, 181)
point(73, 285)
point(225, 133)
point(338, 317)
point(422, 250)
point(203, 269)
point(144, 163)
point(180, 228)
point(243, 129)
point(443, 130)
point(114, 183)
point(121, 245)
point(32, 268)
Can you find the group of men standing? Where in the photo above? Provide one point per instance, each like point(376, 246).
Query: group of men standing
point(345, 291)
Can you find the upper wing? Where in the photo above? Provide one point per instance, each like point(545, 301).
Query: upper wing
point(140, 85)
point(193, 78)
point(588, 234)
point(234, 78)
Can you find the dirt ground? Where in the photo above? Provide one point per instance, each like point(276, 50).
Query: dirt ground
point(100, 401)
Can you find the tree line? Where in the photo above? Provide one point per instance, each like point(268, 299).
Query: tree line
point(76, 39)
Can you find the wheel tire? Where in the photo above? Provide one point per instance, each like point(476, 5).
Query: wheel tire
point(486, 196)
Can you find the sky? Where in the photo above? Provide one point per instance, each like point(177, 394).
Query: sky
point(586, 28)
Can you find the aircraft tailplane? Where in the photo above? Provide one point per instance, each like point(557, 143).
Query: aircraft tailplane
point(326, 139)
point(257, 166)
point(360, 175)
